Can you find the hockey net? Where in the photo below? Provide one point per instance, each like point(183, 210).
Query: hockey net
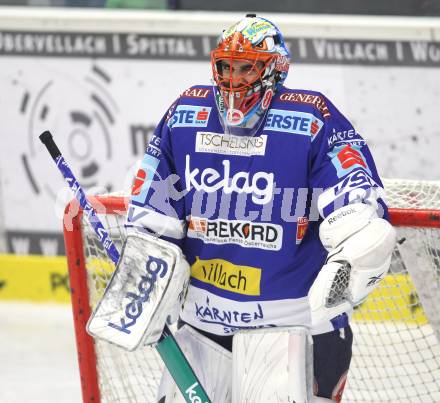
point(396, 351)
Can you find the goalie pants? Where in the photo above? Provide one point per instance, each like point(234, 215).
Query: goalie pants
point(331, 359)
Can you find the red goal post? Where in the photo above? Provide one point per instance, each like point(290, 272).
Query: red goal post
point(81, 306)
point(396, 319)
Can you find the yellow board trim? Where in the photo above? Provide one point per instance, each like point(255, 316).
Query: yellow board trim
point(34, 278)
point(394, 300)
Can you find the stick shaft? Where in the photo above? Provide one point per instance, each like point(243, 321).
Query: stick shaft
point(47, 139)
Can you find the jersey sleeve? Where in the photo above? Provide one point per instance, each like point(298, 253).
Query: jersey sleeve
point(156, 205)
point(342, 168)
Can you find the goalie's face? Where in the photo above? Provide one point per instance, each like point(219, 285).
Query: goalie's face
point(239, 81)
point(239, 77)
point(237, 74)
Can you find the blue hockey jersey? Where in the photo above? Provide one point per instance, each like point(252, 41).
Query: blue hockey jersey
point(246, 210)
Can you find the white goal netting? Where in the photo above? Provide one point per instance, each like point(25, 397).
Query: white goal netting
point(396, 352)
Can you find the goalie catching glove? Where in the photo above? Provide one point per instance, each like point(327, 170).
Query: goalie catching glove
point(360, 245)
point(148, 286)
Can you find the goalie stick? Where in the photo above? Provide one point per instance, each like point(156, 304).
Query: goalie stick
point(167, 347)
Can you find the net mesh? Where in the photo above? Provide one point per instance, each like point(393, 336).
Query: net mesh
point(396, 352)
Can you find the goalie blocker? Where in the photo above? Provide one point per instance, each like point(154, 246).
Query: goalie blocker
point(360, 245)
point(146, 288)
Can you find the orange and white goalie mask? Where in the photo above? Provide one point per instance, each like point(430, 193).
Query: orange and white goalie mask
point(249, 64)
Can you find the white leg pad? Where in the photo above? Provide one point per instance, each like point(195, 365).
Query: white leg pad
point(272, 365)
point(211, 363)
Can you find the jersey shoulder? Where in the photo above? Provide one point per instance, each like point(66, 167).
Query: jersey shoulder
point(302, 100)
point(195, 108)
point(197, 95)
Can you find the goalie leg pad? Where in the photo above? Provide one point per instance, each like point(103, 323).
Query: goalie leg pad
point(272, 365)
point(211, 363)
point(148, 284)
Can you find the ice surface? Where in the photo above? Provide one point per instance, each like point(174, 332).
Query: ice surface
point(38, 361)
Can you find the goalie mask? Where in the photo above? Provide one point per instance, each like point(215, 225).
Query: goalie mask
point(249, 64)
